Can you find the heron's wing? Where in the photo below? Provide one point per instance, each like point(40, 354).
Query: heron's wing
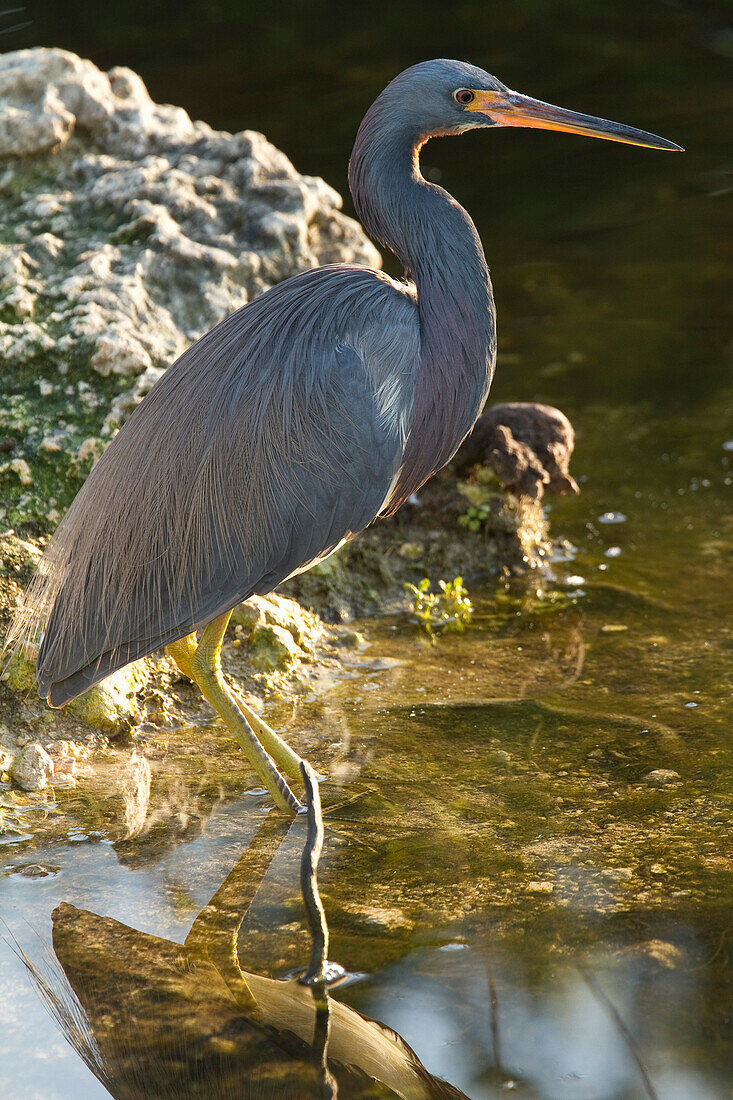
point(271, 440)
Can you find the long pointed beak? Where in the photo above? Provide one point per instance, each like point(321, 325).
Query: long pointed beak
point(512, 109)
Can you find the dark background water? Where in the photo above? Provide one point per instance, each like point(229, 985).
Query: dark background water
point(554, 865)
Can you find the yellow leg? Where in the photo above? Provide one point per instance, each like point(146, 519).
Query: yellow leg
point(183, 652)
point(200, 660)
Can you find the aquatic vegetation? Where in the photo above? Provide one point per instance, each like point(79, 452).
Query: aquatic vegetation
point(448, 609)
point(481, 491)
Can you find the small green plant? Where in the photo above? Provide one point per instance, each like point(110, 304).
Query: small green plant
point(474, 517)
point(481, 491)
point(448, 609)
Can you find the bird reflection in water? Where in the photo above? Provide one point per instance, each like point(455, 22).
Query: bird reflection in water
point(153, 1018)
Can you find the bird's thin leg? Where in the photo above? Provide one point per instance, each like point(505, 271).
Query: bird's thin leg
point(202, 663)
point(280, 751)
point(183, 652)
point(286, 758)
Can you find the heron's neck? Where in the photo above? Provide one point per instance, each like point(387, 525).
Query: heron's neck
point(437, 242)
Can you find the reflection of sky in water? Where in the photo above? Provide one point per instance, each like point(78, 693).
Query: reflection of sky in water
point(557, 1041)
point(147, 898)
point(92, 877)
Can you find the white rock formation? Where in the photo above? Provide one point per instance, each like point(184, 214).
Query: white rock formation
point(129, 230)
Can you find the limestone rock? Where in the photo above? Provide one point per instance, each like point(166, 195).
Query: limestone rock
point(18, 561)
point(108, 706)
point(128, 231)
point(20, 672)
point(279, 611)
point(32, 769)
point(111, 704)
point(272, 648)
point(279, 631)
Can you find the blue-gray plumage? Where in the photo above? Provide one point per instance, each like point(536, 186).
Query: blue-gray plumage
point(290, 426)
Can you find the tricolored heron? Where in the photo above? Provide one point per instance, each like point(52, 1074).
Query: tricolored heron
point(285, 430)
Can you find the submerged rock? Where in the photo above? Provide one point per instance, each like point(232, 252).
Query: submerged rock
point(129, 230)
point(662, 777)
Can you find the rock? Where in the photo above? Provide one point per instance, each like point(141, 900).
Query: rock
point(542, 887)
point(661, 777)
point(278, 611)
point(528, 446)
point(18, 561)
point(349, 639)
point(109, 706)
point(32, 769)
point(273, 648)
point(667, 955)
point(20, 673)
point(35, 870)
point(20, 468)
point(128, 231)
point(279, 631)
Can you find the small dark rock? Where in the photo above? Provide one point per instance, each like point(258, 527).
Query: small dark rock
point(528, 446)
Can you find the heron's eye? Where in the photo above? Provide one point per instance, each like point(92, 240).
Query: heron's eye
point(464, 95)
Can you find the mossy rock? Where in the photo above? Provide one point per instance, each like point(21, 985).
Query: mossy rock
point(277, 611)
point(18, 560)
point(108, 706)
point(106, 235)
point(20, 674)
point(273, 649)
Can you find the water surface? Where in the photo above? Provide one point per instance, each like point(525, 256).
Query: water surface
point(526, 868)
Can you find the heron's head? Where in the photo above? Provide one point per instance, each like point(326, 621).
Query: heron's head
point(450, 97)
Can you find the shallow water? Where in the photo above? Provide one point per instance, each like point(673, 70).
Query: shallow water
point(506, 883)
